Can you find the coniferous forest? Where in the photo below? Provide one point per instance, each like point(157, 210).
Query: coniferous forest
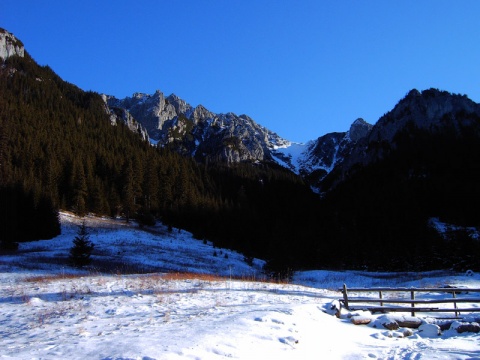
point(59, 150)
point(385, 210)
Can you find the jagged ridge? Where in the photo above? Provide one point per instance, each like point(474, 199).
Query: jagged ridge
point(198, 132)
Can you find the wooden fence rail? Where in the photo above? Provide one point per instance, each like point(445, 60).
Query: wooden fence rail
point(385, 304)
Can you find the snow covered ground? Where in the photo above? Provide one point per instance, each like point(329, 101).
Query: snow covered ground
point(51, 311)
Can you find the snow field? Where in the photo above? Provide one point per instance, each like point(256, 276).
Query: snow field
point(189, 304)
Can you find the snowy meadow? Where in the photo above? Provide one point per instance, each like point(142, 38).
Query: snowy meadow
point(155, 294)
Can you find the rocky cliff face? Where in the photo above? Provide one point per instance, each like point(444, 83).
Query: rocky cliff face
point(198, 132)
point(10, 45)
point(118, 114)
point(359, 130)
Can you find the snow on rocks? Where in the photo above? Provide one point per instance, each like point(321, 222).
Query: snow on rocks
point(462, 327)
point(361, 320)
point(396, 321)
point(429, 330)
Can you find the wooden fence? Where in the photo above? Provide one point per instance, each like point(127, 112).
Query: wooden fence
point(413, 304)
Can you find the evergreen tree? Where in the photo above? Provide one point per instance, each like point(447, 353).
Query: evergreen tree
point(3, 152)
point(8, 218)
point(79, 187)
point(46, 220)
point(82, 248)
point(129, 193)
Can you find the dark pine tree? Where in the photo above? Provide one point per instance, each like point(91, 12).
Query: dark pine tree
point(82, 248)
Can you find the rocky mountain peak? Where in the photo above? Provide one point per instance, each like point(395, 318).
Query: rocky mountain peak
point(180, 105)
point(10, 45)
point(200, 113)
point(429, 109)
point(203, 134)
point(359, 129)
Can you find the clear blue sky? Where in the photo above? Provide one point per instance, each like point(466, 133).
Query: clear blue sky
point(300, 68)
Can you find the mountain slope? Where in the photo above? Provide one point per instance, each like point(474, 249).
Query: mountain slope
point(432, 111)
point(419, 162)
point(384, 182)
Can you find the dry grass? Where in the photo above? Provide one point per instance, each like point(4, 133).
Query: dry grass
point(53, 277)
point(150, 280)
point(193, 276)
point(212, 277)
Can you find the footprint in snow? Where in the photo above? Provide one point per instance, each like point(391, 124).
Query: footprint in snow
point(110, 312)
point(289, 340)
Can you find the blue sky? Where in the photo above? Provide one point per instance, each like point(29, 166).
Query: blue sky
point(300, 68)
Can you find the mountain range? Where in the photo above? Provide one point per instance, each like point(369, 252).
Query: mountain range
point(226, 178)
point(206, 136)
point(169, 121)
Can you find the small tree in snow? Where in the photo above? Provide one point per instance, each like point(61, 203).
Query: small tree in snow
point(82, 247)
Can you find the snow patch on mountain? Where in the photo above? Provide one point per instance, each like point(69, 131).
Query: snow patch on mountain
point(290, 155)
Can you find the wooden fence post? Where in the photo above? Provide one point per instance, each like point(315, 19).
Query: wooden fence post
point(345, 296)
point(455, 303)
point(412, 296)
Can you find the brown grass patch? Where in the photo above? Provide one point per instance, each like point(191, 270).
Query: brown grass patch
point(165, 277)
point(212, 277)
point(193, 276)
point(53, 277)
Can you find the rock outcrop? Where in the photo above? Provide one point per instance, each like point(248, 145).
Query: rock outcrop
point(359, 129)
point(118, 114)
point(10, 45)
